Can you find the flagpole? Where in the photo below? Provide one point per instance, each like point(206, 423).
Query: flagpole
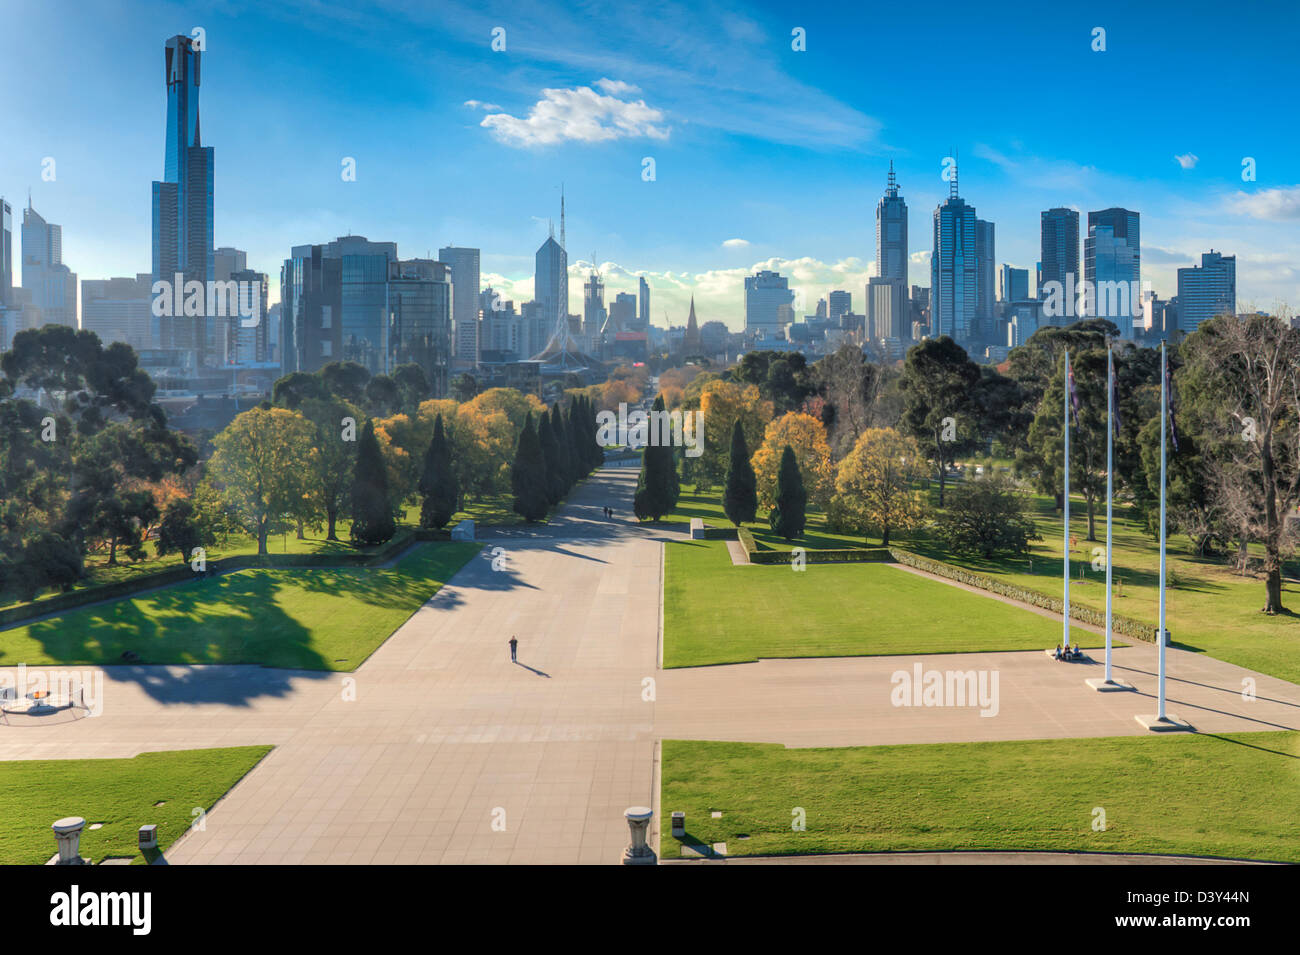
point(1110, 470)
point(1164, 416)
point(1065, 638)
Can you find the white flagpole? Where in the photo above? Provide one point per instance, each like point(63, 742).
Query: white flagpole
point(1065, 638)
point(1110, 470)
point(1164, 415)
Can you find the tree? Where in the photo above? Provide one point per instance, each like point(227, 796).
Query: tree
point(657, 487)
point(412, 386)
point(806, 436)
point(938, 385)
point(986, 516)
point(464, 387)
point(850, 388)
point(182, 530)
point(564, 450)
point(372, 508)
point(528, 476)
point(257, 466)
point(48, 560)
point(333, 455)
point(740, 498)
point(723, 404)
point(550, 458)
point(383, 396)
point(438, 482)
point(875, 483)
point(1241, 382)
point(346, 380)
point(789, 513)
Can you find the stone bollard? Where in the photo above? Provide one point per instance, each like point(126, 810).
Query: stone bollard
point(67, 833)
point(638, 822)
point(679, 825)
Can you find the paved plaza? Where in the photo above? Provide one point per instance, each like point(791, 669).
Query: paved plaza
point(439, 749)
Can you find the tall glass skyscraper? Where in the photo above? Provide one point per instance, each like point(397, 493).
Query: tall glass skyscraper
point(767, 303)
point(1112, 263)
point(985, 272)
point(182, 203)
point(51, 284)
point(954, 277)
point(419, 319)
point(643, 303)
point(1059, 254)
point(365, 281)
point(891, 233)
point(7, 253)
point(551, 283)
point(1207, 290)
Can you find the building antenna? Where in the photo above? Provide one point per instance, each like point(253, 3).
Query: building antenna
point(563, 245)
point(952, 186)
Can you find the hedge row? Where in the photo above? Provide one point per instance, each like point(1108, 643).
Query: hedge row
point(181, 572)
point(847, 555)
point(1127, 626)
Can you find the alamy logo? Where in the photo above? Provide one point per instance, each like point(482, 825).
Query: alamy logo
point(195, 299)
point(657, 429)
point(72, 908)
point(946, 688)
point(58, 688)
point(1093, 299)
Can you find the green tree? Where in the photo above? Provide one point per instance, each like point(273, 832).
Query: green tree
point(438, 484)
point(657, 487)
point(181, 530)
point(938, 384)
point(372, 508)
point(528, 474)
point(740, 496)
point(551, 457)
point(986, 516)
point(790, 513)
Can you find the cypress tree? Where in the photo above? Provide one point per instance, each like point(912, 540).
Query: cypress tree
point(740, 495)
point(562, 445)
point(372, 511)
point(657, 488)
point(550, 459)
point(438, 483)
point(528, 475)
point(577, 454)
point(789, 514)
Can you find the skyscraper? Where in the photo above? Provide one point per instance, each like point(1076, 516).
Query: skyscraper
point(365, 293)
point(838, 303)
point(765, 294)
point(7, 253)
point(419, 305)
point(643, 297)
point(1059, 257)
point(954, 276)
point(51, 284)
point(1207, 290)
point(551, 282)
point(118, 309)
point(985, 273)
point(1112, 264)
point(311, 299)
point(1013, 284)
point(593, 304)
point(465, 278)
point(182, 202)
point(891, 233)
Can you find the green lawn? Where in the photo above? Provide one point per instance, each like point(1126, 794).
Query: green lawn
point(120, 793)
point(292, 617)
point(1233, 796)
point(1209, 608)
point(715, 612)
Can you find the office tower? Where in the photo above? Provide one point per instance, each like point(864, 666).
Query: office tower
point(419, 307)
point(891, 233)
point(227, 261)
point(593, 304)
point(311, 309)
point(622, 314)
point(1207, 290)
point(1022, 321)
point(182, 203)
point(765, 294)
point(551, 282)
point(502, 329)
point(643, 295)
point(1059, 255)
point(837, 303)
point(6, 253)
point(119, 309)
point(534, 329)
point(51, 285)
point(985, 273)
point(1013, 284)
point(886, 308)
point(250, 332)
point(465, 278)
point(1112, 264)
point(954, 277)
point(365, 280)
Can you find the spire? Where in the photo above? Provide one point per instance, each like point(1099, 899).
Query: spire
point(891, 187)
point(562, 242)
point(952, 184)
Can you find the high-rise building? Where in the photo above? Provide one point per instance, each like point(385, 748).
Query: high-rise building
point(119, 310)
point(891, 233)
point(551, 282)
point(1112, 265)
point(643, 296)
point(622, 314)
point(465, 278)
point(250, 333)
point(837, 303)
point(51, 285)
point(886, 308)
point(6, 253)
point(1059, 258)
point(766, 292)
point(419, 308)
point(365, 295)
point(985, 275)
point(1013, 284)
point(954, 274)
point(183, 203)
point(311, 309)
point(1206, 290)
point(593, 304)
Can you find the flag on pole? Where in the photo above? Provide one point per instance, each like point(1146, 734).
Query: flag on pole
point(1074, 395)
point(1169, 402)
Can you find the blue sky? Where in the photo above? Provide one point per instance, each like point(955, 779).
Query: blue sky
point(763, 155)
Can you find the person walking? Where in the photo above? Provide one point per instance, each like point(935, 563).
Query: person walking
point(514, 646)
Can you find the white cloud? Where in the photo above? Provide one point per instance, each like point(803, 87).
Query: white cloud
point(1187, 160)
point(1282, 203)
point(580, 115)
point(486, 107)
point(735, 244)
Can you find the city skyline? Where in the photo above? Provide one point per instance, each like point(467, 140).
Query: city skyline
point(690, 232)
